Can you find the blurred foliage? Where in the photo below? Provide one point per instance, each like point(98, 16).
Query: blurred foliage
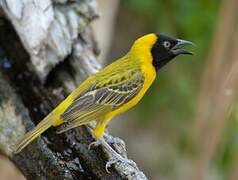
point(228, 149)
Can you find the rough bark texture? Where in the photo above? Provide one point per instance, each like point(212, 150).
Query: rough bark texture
point(46, 49)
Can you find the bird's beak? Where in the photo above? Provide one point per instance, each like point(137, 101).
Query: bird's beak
point(176, 50)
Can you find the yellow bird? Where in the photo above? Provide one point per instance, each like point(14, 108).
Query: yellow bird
point(113, 90)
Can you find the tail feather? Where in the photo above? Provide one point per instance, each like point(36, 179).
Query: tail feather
point(38, 130)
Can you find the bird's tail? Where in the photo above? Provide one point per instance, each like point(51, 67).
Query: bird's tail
point(38, 130)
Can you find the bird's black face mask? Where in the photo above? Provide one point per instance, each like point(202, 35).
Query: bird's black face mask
point(166, 48)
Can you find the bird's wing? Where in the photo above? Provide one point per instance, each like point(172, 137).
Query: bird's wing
point(109, 93)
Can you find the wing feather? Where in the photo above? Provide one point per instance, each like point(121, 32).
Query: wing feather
point(100, 98)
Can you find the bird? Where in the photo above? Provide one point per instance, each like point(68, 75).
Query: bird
point(113, 90)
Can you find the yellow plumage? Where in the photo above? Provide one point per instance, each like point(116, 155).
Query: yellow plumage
point(137, 63)
point(115, 89)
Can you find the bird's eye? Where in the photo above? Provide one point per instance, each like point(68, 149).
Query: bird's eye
point(167, 44)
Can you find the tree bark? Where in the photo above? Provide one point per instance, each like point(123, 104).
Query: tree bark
point(46, 50)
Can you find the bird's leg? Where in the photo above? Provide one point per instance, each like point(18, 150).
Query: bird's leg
point(114, 156)
point(109, 139)
point(97, 131)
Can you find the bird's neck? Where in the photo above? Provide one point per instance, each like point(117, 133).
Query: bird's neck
point(141, 54)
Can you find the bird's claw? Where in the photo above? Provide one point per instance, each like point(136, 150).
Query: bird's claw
point(121, 159)
point(115, 157)
point(108, 140)
point(109, 164)
point(94, 144)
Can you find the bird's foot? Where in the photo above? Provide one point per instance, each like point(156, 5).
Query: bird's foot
point(114, 157)
point(117, 158)
point(94, 144)
point(114, 141)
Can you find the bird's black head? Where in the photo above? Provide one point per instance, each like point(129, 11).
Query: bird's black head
point(166, 48)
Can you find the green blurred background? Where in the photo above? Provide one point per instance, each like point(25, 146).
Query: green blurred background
point(159, 131)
